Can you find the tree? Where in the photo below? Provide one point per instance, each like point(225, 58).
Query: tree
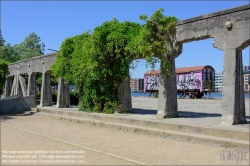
point(30, 47)
point(157, 39)
point(6, 51)
point(2, 41)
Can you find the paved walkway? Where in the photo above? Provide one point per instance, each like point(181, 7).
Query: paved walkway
point(194, 112)
point(36, 139)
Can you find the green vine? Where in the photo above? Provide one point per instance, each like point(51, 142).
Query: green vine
point(98, 62)
point(3, 70)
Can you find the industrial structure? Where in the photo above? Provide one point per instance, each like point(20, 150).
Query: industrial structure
point(136, 84)
point(230, 32)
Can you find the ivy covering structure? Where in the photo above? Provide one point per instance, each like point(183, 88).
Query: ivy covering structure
point(98, 62)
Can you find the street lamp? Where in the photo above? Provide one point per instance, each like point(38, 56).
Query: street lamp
point(52, 50)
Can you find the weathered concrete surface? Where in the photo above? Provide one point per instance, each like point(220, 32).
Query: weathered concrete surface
point(16, 105)
point(213, 26)
point(167, 104)
point(33, 65)
point(63, 98)
point(230, 30)
point(124, 94)
point(46, 94)
point(233, 103)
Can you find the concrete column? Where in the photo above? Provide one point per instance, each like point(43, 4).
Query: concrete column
point(46, 95)
point(233, 100)
point(124, 94)
point(23, 86)
point(8, 86)
point(19, 91)
point(63, 99)
point(13, 89)
point(31, 90)
point(167, 101)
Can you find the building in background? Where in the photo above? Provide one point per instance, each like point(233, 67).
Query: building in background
point(218, 81)
point(246, 69)
point(246, 73)
point(246, 82)
point(136, 84)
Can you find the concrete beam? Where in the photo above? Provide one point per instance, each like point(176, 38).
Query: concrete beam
point(33, 65)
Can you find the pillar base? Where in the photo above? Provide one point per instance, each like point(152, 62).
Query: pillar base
point(231, 120)
point(164, 115)
point(121, 110)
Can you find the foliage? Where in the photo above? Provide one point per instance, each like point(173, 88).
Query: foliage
point(53, 79)
point(38, 95)
point(30, 47)
point(109, 64)
point(6, 51)
point(3, 70)
point(98, 62)
point(156, 39)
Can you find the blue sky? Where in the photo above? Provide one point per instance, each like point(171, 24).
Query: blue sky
point(55, 21)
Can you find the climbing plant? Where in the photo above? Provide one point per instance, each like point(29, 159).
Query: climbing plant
point(3, 70)
point(97, 62)
point(156, 39)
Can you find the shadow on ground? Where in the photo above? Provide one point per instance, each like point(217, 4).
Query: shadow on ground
point(5, 117)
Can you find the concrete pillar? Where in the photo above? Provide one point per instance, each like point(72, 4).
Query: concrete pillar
point(31, 90)
point(63, 99)
point(23, 86)
point(233, 100)
point(124, 94)
point(8, 86)
point(167, 99)
point(46, 95)
point(19, 92)
point(13, 89)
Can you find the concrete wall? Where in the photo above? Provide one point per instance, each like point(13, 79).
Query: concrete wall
point(16, 105)
point(231, 34)
point(31, 67)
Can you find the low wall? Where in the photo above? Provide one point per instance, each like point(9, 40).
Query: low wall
point(14, 105)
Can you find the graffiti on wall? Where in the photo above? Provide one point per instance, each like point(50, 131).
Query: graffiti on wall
point(189, 81)
point(151, 82)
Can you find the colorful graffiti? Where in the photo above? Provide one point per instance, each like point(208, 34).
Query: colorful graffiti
point(151, 82)
point(202, 79)
point(189, 81)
